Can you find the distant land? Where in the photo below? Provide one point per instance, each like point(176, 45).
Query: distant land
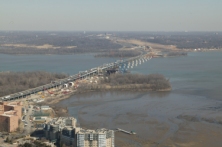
point(106, 44)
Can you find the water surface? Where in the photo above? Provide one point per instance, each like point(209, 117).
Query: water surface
point(190, 112)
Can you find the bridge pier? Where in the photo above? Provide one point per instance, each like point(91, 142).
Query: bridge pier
point(100, 71)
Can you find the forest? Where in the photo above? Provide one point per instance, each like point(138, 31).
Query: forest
point(183, 40)
point(171, 54)
point(12, 82)
point(120, 54)
point(156, 81)
point(95, 42)
point(64, 43)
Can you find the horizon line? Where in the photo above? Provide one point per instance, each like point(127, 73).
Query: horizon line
point(96, 31)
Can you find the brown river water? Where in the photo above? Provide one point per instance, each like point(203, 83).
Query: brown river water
point(189, 115)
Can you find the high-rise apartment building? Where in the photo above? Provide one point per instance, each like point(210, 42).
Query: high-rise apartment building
point(94, 138)
point(64, 131)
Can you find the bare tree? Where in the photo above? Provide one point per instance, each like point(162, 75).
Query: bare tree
point(12, 82)
point(156, 81)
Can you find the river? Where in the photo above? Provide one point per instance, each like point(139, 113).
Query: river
point(189, 115)
point(69, 64)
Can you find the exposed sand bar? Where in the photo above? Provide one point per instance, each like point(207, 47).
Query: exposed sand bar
point(159, 119)
point(45, 46)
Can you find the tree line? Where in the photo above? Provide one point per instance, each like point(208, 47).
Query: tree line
point(183, 40)
point(34, 143)
point(189, 40)
point(81, 43)
point(123, 54)
point(156, 81)
point(12, 82)
point(176, 54)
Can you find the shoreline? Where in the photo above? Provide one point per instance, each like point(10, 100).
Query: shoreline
point(97, 53)
point(146, 118)
point(55, 100)
point(180, 50)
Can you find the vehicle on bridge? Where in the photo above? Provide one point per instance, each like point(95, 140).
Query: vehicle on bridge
point(109, 68)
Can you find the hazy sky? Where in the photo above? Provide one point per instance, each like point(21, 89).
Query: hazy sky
point(111, 15)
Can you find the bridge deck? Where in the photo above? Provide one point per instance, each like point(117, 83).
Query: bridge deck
point(67, 80)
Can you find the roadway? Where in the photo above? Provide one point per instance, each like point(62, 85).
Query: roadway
point(26, 121)
point(72, 78)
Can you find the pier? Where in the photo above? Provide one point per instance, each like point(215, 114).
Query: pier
point(127, 132)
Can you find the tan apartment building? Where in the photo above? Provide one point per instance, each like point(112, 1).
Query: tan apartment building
point(79, 137)
point(10, 113)
point(94, 138)
point(64, 131)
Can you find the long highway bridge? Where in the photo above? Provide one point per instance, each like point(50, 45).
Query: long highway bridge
point(94, 71)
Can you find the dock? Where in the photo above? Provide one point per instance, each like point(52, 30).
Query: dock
point(127, 132)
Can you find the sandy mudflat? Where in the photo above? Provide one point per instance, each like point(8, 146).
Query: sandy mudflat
point(44, 46)
point(158, 121)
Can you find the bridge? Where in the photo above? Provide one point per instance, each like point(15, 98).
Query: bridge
point(121, 64)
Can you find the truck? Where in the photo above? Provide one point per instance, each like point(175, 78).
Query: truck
point(8, 96)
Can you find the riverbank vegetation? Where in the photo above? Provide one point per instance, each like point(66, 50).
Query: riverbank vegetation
point(119, 54)
point(172, 54)
point(182, 40)
point(19, 42)
point(54, 43)
point(12, 82)
point(151, 82)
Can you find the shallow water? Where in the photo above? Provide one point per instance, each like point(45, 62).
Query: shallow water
point(153, 116)
point(194, 101)
point(199, 73)
point(193, 107)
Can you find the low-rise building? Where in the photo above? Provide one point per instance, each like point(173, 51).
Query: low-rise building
point(39, 116)
point(54, 127)
point(24, 111)
point(45, 108)
point(38, 100)
point(10, 114)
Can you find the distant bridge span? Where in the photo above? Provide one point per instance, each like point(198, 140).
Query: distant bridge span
point(81, 75)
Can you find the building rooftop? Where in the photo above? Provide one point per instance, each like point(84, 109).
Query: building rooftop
point(10, 113)
point(97, 131)
point(13, 104)
point(63, 121)
point(45, 107)
point(40, 113)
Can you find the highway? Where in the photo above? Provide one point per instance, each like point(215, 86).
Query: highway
point(72, 78)
point(26, 121)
